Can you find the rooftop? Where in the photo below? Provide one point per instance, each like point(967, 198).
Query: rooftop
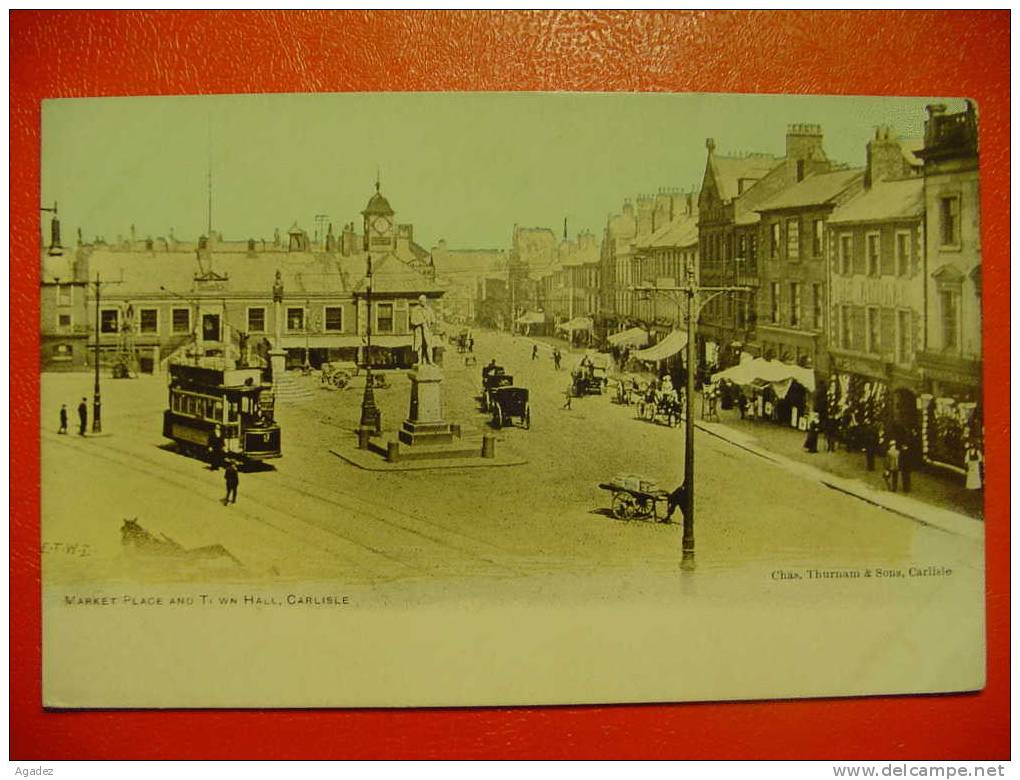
point(885, 201)
point(814, 190)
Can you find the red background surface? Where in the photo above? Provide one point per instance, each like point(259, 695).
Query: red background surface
point(63, 54)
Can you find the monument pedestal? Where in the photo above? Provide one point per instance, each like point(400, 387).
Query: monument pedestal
point(425, 423)
point(277, 365)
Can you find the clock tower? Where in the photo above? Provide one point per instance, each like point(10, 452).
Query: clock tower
point(380, 232)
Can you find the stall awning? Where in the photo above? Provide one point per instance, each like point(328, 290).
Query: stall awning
point(666, 348)
point(578, 323)
point(531, 318)
point(771, 372)
point(634, 337)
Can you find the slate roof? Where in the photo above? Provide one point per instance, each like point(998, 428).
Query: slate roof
point(885, 201)
point(814, 190)
point(728, 171)
point(681, 232)
point(312, 273)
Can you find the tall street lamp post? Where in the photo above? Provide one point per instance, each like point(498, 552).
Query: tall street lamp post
point(371, 419)
point(692, 291)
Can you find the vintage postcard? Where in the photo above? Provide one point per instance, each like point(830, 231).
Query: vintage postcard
point(490, 399)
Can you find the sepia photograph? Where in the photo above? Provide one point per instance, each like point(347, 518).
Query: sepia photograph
point(492, 399)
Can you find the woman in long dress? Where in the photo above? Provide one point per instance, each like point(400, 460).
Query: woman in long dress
point(973, 463)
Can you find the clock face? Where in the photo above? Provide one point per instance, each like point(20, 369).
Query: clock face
point(381, 224)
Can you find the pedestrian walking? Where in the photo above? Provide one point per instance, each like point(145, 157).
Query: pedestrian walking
point(231, 478)
point(557, 357)
point(215, 449)
point(811, 441)
point(973, 462)
point(83, 416)
point(534, 351)
point(906, 462)
point(63, 419)
point(569, 395)
point(892, 466)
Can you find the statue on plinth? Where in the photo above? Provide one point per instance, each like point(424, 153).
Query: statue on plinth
point(423, 319)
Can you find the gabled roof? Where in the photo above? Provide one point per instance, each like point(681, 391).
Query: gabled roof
point(887, 200)
point(814, 190)
point(728, 172)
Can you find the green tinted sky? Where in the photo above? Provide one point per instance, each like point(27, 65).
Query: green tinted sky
point(464, 166)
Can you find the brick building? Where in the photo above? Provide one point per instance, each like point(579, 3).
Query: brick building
point(732, 189)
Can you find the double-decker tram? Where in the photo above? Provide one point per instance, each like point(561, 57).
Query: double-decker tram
point(235, 400)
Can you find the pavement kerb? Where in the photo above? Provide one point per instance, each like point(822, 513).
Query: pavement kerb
point(926, 514)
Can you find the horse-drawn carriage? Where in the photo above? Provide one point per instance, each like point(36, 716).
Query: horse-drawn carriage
point(493, 378)
point(661, 404)
point(508, 402)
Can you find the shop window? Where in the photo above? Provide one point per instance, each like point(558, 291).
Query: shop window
point(64, 322)
point(774, 288)
point(818, 296)
point(774, 248)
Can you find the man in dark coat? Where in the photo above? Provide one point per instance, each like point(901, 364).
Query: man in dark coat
point(677, 499)
point(215, 449)
point(231, 478)
point(63, 419)
point(83, 416)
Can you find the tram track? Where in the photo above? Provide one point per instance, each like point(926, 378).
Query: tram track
point(386, 520)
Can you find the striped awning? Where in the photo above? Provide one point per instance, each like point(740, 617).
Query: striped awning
point(666, 348)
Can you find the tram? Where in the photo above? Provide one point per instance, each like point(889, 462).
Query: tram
point(236, 400)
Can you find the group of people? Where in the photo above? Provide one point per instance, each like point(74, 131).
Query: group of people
point(83, 417)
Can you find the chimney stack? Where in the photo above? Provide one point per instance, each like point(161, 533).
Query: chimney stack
point(885, 157)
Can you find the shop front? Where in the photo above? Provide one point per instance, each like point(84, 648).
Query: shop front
point(950, 410)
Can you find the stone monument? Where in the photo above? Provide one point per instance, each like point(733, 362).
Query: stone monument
point(278, 355)
point(425, 423)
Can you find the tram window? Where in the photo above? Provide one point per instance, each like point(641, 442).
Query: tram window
point(232, 411)
point(218, 410)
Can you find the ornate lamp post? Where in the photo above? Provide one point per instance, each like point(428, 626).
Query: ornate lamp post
point(371, 419)
point(692, 291)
